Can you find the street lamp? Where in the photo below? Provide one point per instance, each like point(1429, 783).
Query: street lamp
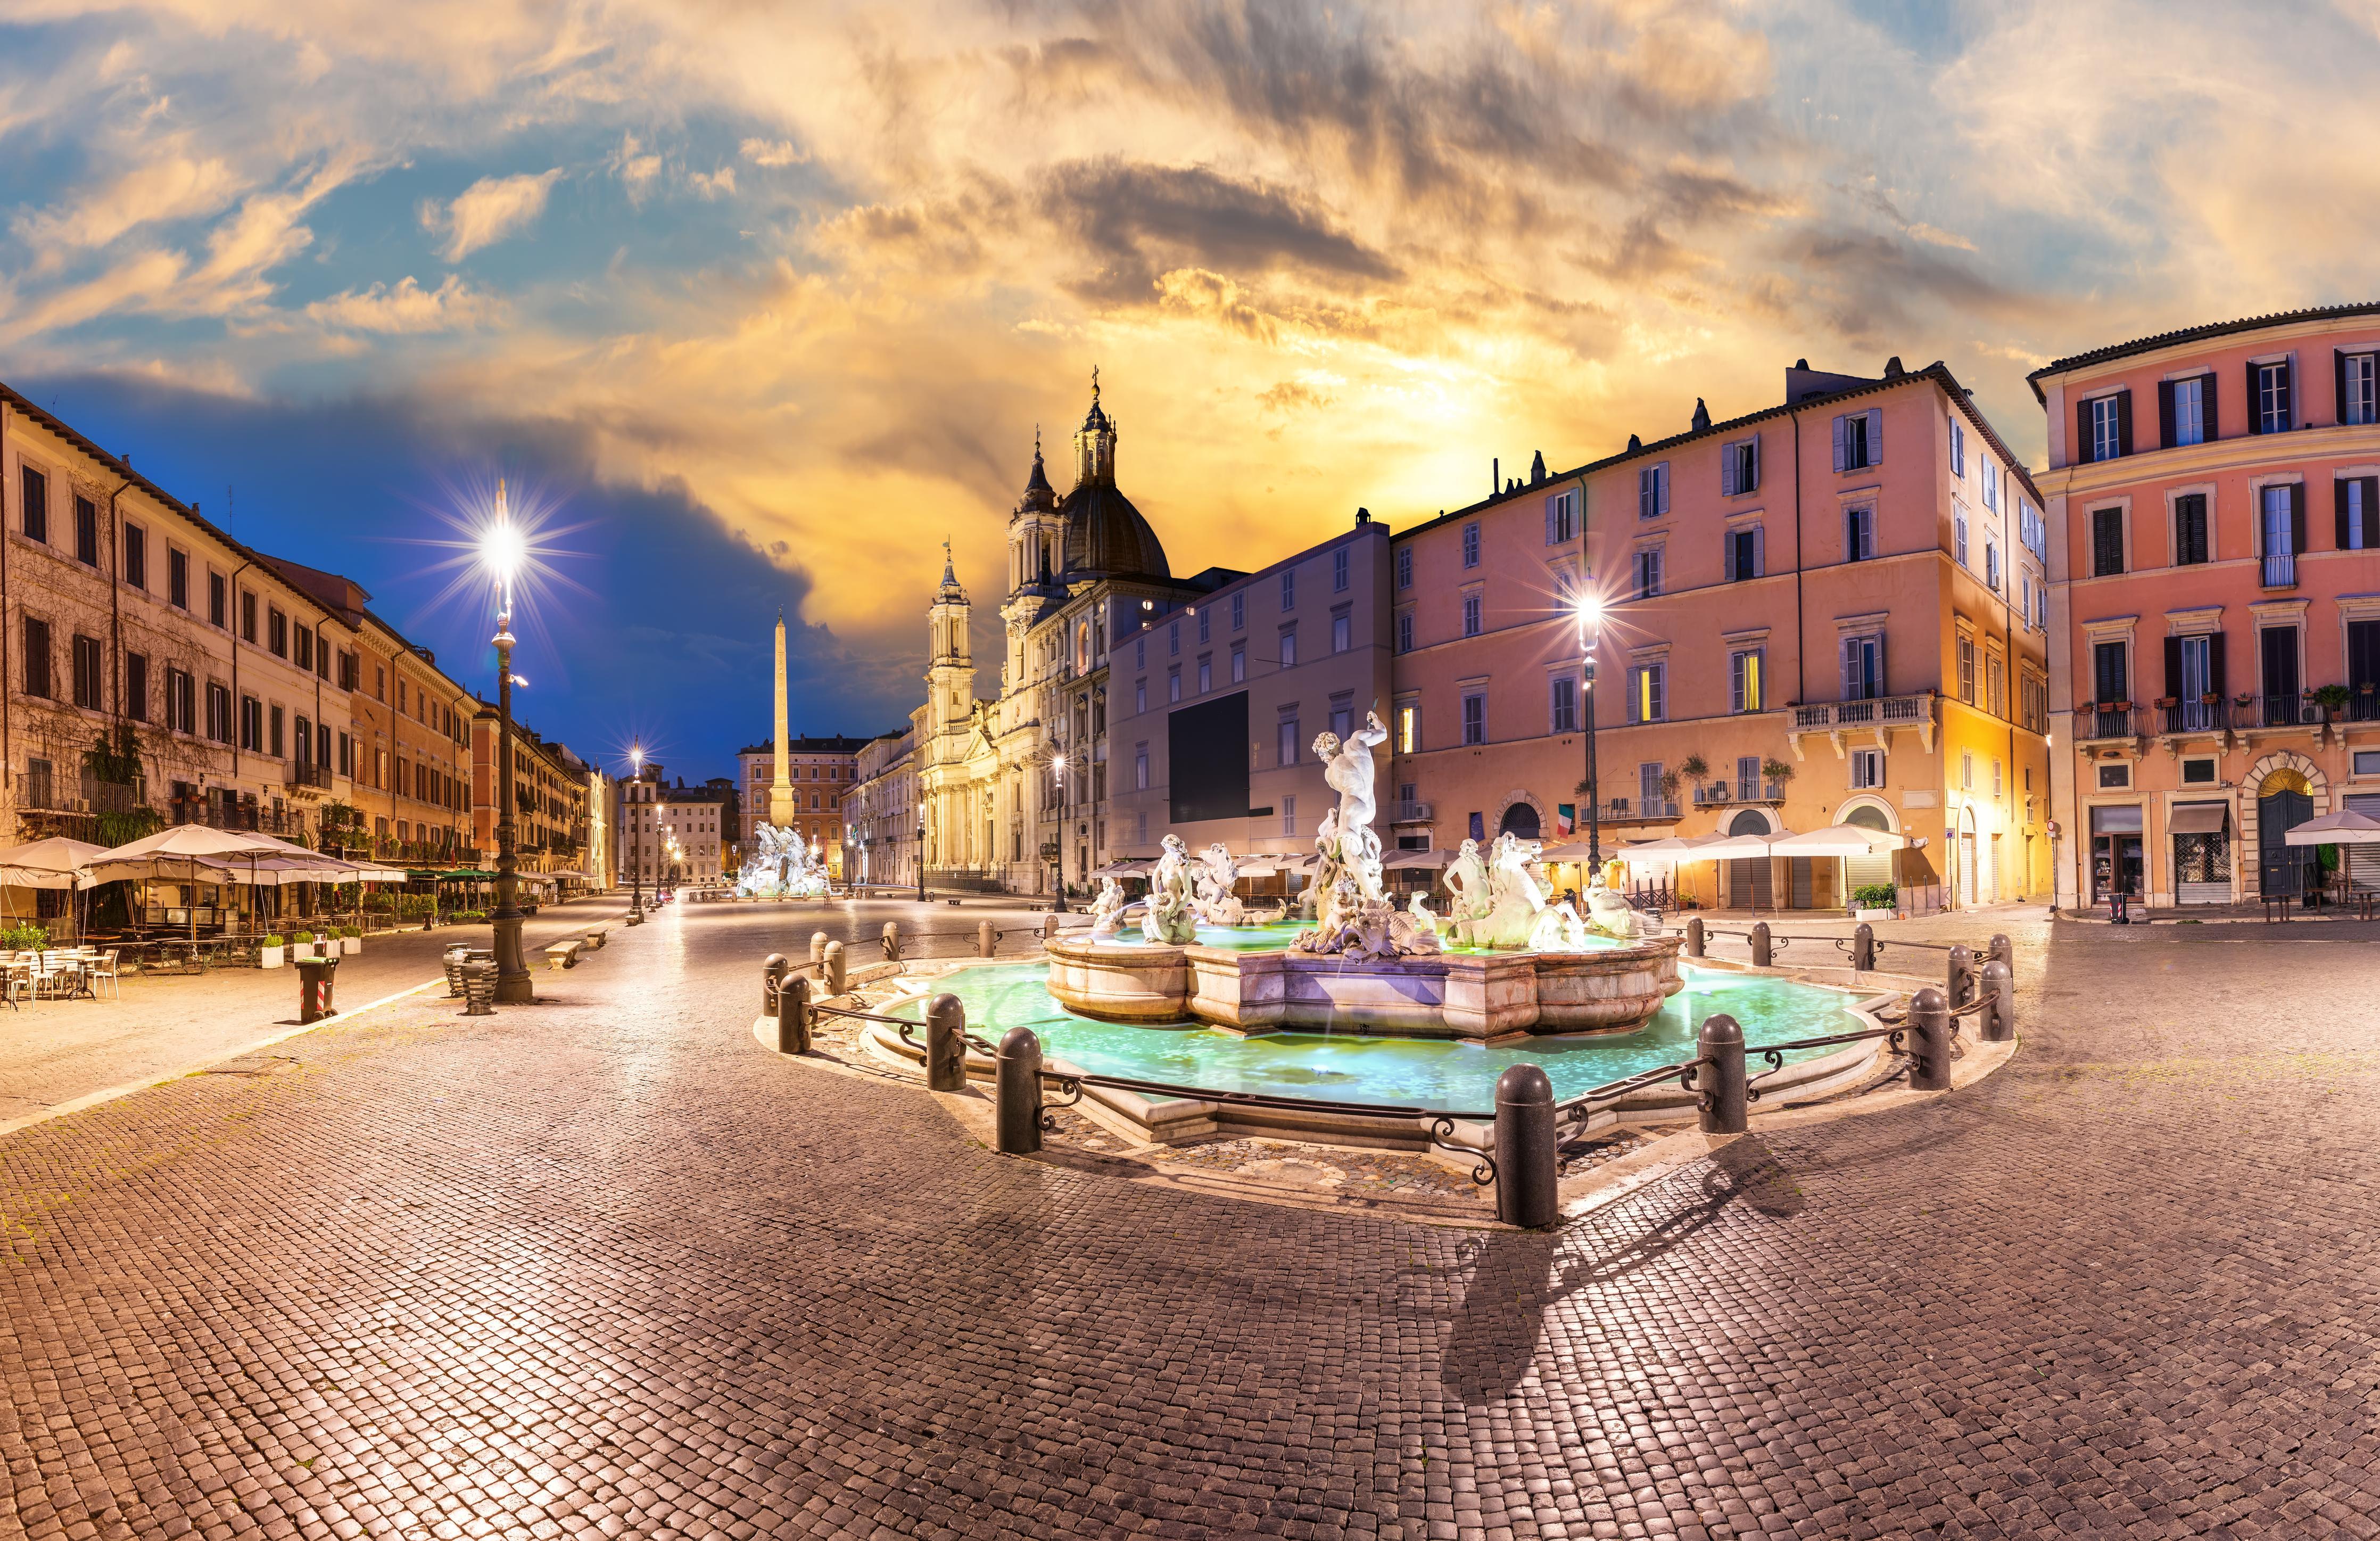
point(1058, 768)
point(637, 867)
point(1590, 625)
point(502, 553)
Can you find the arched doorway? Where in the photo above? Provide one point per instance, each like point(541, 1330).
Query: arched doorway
point(2284, 800)
point(1867, 871)
point(1751, 880)
point(1520, 822)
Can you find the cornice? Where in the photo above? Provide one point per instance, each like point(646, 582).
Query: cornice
point(2241, 452)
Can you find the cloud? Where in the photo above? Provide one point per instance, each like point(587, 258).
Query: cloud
point(717, 183)
point(408, 308)
point(174, 187)
point(635, 167)
point(771, 152)
point(489, 210)
point(1134, 221)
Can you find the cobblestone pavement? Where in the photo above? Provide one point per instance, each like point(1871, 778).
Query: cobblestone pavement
point(601, 1266)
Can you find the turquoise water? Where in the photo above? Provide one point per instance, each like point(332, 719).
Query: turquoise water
point(1414, 1072)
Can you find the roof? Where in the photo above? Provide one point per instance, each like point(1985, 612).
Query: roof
point(838, 744)
point(1105, 534)
point(2193, 335)
point(1937, 372)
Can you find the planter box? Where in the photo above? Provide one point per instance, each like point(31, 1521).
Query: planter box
point(270, 957)
point(1874, 914)
point(349, 946)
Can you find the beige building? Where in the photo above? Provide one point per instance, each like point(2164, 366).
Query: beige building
point(550, 787)
point(672, 833)
point(823, 772)
point(880, 814)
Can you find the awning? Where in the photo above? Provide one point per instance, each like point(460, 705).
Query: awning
point(1575, 850)
point(1736, 847)
point(1405, 859)
point(1676, 848)
point(2342, 828)
point(1836, 839)
point(2198, 819)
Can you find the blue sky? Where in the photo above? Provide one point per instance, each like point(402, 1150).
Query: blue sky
point(770, 299)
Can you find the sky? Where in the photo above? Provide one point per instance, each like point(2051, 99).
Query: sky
point(761, 303)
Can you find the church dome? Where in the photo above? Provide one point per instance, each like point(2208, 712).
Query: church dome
point(1106, 534)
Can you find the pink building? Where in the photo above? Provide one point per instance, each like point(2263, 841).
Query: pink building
point(2214, 507)
point(1828, 611)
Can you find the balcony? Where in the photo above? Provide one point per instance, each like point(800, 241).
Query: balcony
point(2280, 570)
point(2364, 705)
point(1720, 794)
point(307, 776)
point(2098, 723)
point(1873, 715)
point(2195, 717)
point(1642, 810)
point(2287, 711)
point(1413, 813)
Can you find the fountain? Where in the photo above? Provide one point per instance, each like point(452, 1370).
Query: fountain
point(1501, 965)
point(785, 867)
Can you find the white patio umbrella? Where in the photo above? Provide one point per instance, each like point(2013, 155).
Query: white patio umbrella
point(56, 862)
point(1837, 839)
point(1673, 850)
point(1728, 847)
point(184, 850)
point(2342, 828)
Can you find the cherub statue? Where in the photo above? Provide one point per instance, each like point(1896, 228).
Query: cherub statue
point(1216, 903)
point(1107, 910)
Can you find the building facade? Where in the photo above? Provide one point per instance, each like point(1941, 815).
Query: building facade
point(551, 812)
point(880, 812)
point(1829, 610)
point(2214, 501)
point(671, 833)
point(823, 770)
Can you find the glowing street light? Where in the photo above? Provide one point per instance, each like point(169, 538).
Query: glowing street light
point(636, 866)
point(503, 554)
point(1589, 613)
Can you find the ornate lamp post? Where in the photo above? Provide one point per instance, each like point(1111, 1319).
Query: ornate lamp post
point(1058, 768)
point(1590, 626)
point(502, 551)
point(921, 850)
point(636, 866)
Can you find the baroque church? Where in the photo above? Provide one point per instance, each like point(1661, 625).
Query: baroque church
point(1014, 788)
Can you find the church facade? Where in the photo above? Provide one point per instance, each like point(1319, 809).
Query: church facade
point(1014, 789)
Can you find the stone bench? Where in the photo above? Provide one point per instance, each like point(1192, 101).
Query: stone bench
point(595, 935)
point(564, 953)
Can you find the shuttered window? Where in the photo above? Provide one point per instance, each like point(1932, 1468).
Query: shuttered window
point(2358, 513)
point(2269, 392)
point(2106, 542)
point(2186, 411)
point(2190, 535)
point(1863, 666)
point(2359, 390)
point(1859, 440)
point(1653, 491)
point(1739, 468)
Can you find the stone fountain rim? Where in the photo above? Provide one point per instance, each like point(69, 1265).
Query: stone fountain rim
point(1089, 948)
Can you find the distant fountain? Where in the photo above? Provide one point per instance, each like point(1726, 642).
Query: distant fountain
point(785, 867)
point(1353, 916)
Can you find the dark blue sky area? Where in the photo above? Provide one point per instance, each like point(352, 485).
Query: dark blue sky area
point(656, 624)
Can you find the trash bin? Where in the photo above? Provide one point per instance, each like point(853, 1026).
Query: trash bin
point(314, 981)
point(455, 957)
point(480, 986)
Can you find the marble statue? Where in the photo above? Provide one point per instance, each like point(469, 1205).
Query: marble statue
point(1216, 903)
point(1169, 918)
point(1610, 914)
point(1353, 916)
point(784, 867)
point(1107, 910)
point(1466, 880)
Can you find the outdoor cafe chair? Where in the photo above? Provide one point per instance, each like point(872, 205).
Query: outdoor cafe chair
point(103, 966)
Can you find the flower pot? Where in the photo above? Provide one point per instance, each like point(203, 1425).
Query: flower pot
point(1871, 915)
point(348, 946)
point(271, 957)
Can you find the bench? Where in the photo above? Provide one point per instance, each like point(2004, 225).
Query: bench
point(564, 953)
point(595, 935)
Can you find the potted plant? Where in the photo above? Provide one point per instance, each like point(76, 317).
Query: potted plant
point(2208, 698)
point(270, 954)
point(1874, 901)
point(1670, 784)
point(1694, 768)
point(1776, 770)
point(2166, 703)
point(351, 940)
point(2332, 699)
point(303, 945)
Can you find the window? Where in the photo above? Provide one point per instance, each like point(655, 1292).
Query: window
point(1239, 663)
point(1958, 449)
point(2185, 407)
point(1967, 670)
point(1408, 732)
point(1992, 565)
point(136, 686)
point(2106, 425)
point(1990, 476)
point(1289, 646)
point(247, 616)
point(2024, 599)
point(1471, 544)
point(1289, 589)
point(218, 712)
point(1864, 667)
point(2106, 542)
point(274, 740)
point(1648, 572)
point(1744, 667)
point(1172, 649)
point(2367, 762)
point(2110, 674)
point(2268, 397)
point(1739, 468)
point(2359, 402)
point(1206, 672)
point(1140, 653)
point(136, 556)
point(1866, 768)
point(251, 722)
point(1995, 685)
point(1404, 566)
point(34, 489)
point(1859, 440)
point(1563, 715)
point(1289, 814)
point(1342, 718)
point(1204, 617)
point(1285, 733)
point(2115, 776)
point(305, 647)
point(1653, 491)
point(1343, 633)
point(86, 669)
point(178, 580)
point(1404, 631)
point(2189, 530)
point(1958, 533)
point(1338, 571)
point(1474, 717)
point(2035, 694)
point(1239, 609)
point(2359, 512)
point(181, 700)
point(86, 533)
point(2031, 531)
point(1646, 700)
point(1140, 768)
point(217, 614)
point(1997, 784)
point(1742, 553)
point(1859, 533)
point(1561, 517)
point(2198, 773)
point(1648, 783)
point(276, 631)
point(1471, 613)
point(2283, 531)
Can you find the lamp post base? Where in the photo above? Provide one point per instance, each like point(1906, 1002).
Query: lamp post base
point(515, 985)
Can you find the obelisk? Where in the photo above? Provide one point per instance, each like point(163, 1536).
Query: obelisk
point(781, 788)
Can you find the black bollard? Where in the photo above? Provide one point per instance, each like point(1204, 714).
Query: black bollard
point(1718, 1076)
point(1528, 1170)
point(1960, 977)
point(1693, 936)
point(946, 1044)
point(831, 970)
point(772, 973)
point(1017, 1092)
point(794, 1016)
point(1929, 1041)
point(891, 941)
point(985, 939)
point(1049, 928)
point(1761, 952)
point(2002, 949)
point(1999, 989)
point(818, 949)
point(1863, 947)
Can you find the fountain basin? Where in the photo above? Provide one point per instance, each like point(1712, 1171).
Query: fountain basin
point(1477, 996)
